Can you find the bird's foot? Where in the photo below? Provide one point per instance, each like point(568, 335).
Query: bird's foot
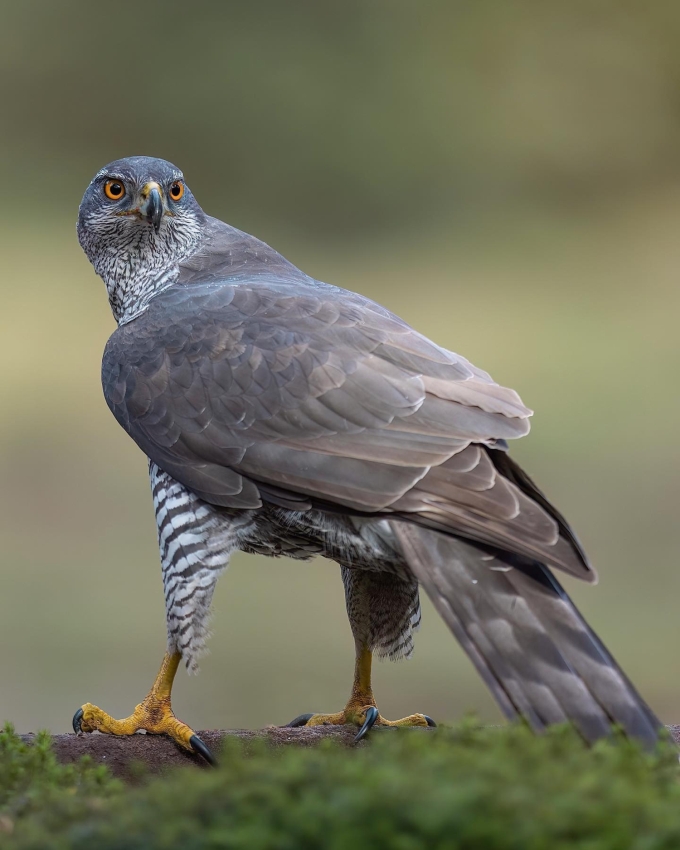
point(153, 715)
point(365, 717)
point(149, 716)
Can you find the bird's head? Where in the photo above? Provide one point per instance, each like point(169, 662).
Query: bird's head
point(137, 220)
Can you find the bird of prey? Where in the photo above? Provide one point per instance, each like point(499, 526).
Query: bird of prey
point(284, 416)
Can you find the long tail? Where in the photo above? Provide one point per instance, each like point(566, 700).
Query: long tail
point(526, 638)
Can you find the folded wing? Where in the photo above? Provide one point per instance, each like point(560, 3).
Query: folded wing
point(300, 393)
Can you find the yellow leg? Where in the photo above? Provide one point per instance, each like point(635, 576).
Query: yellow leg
point(153, 715)
point(361, 707)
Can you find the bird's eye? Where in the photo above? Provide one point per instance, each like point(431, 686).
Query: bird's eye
point(176, 190)
point(114, 190)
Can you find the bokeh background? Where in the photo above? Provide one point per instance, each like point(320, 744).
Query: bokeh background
point(506, 176)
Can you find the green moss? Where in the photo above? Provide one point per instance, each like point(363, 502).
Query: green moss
point(35, 788)
point(468, 787)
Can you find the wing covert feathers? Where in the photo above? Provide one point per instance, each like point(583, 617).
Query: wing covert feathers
point(288, 389)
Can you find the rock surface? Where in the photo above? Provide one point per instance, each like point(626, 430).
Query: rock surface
point(130, 758)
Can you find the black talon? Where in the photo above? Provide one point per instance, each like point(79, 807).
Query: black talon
point(300, 720)
point(199, 747)
point(371, 716)
point(430, 721)
point(77, 717)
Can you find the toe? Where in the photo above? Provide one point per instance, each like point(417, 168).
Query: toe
point(199, 746)
point(77, 721)
point(418, 720)
point(337, 719)
point(300, 720)
point(88, 718)
point(372, 716)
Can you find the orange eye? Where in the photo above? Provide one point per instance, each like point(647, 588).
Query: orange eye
point(176, 190)
point(114, 190)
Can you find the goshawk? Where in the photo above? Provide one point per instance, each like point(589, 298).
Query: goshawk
point(284, 416)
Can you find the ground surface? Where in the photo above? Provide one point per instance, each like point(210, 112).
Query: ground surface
point(158, 753)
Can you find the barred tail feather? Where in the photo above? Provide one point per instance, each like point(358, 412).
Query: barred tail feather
point(526, 638)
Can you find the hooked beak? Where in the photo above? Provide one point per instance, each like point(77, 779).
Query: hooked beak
point(151, 207)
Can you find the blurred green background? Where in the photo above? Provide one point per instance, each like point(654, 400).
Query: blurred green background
point(506, 176)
